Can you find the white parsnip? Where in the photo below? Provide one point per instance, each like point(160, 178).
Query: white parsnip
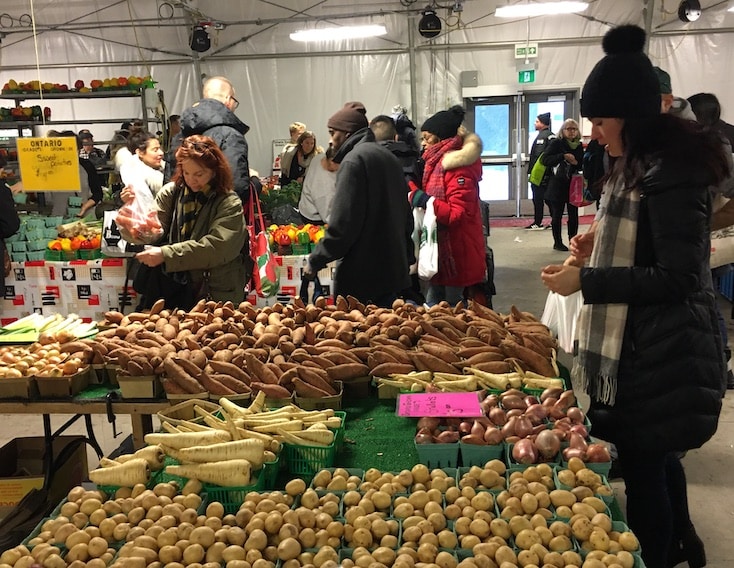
point(125, 475)
point(230, 473)
point(187, 439)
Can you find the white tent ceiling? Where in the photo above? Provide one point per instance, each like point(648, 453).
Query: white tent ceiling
point(279, 81)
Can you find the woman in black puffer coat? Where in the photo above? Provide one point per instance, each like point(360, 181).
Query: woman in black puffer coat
point(650, 354)
point(564, 156)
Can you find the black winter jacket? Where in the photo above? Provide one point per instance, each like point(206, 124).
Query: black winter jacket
point(211, 118)
point(672, 371)
point(370, 223)
point(559, 180)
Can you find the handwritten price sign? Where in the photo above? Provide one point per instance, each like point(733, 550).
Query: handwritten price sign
point(439, 404)
point(49, 164)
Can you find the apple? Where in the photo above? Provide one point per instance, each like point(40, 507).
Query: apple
point(64, 88)
point(78, 84)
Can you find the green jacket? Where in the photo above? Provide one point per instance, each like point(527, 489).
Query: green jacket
point(216, 244)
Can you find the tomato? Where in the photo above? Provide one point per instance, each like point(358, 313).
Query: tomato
point(283, 239)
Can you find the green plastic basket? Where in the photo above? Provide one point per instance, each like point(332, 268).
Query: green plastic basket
point(37, 245)
point(438, 455)
point(58, 255)
point(35, 255)
point(20, 246)
point(18, 256)
point(269, 474)
point(307, 460)
point(339, 432)
point(300, 250)
point(53, 221)
point(88, 254)
point(472, 454)
point(231, 498)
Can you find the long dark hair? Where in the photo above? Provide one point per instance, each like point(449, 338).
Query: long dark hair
point(204, 151)
point(673, 139)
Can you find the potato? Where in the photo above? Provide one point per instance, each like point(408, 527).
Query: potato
point(298, 486)
point(628, 541)
point(203, 536)
point(97, 546)
point(194, 552)
point(599, 539)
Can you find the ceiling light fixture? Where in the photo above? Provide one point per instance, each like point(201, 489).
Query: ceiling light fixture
point(343, 32)
point(731, 6)
point(429, 25)
point(689, 11)
point(531, 9)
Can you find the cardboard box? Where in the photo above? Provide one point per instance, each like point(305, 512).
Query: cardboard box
point(21, 469)
point(148, 386)
point(63, 387)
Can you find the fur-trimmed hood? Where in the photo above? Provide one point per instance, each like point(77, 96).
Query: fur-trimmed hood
point(469, 153)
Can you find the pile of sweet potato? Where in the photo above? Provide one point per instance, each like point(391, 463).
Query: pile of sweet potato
point(308, 349)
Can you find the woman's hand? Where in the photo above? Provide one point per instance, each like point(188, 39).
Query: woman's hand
point(581, 245)
point(563, 279)
point(127, 194)
point(571, 159)
point(151, 256)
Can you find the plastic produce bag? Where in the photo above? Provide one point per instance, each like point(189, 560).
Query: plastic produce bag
point(428, 252)
point(138, 219)
point(560, 315)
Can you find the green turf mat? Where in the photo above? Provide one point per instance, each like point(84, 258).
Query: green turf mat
point(94, 392)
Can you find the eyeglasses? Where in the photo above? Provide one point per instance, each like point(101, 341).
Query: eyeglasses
point(236, 103)
point(198, 146)
point(571, 129)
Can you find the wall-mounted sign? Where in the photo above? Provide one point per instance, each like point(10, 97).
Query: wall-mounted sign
point(527, 76)
point(526, 50)
point(49, 164)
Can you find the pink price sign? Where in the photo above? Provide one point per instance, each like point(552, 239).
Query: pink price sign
point(439, 404)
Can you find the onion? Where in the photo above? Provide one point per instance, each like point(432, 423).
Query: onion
point(513, 401)
point(576, 415)
point(465, 427)
point(530, 400)
point(547, 444)
point(428, 422)
point(536, 413)
point(477, 429)
point(569, 453)
point(597, 453)
point(575, 440)
point(509, 428)
point(493, 436)
point(491, 401)
point(523, 427)
point(498, 417)
point(474, 440)
point(581, 430)
point(553, 392)
point(539, 428)
point(557, 411)
point(550, 401)
point(424, 436)
point(448, 437)
point(524, 451)
point(515, 412)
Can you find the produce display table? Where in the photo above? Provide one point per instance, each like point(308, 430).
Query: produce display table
point(88, 288)
point(91, 401)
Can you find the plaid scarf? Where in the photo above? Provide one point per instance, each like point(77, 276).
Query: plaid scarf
point(191, 204)
point(600, 327)
point(434, 185)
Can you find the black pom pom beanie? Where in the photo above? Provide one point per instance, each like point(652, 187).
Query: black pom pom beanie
point(623, 84)
point(445, 123)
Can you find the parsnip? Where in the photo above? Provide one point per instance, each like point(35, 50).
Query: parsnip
point(230, 473)
point(187, 439)
point(125, 475)
point(251, 450)
point(152, 454)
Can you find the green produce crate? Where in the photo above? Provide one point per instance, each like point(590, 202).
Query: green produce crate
point(35, 255)
point(232, 498)
point(512, 465)
point(472, 454)
point(50, 234)
point(438, 455)
point(20, 197)
point(18, 246)
point(36, 234)
point(300, 250)
point(17, 237)
point(269, 474)
point(307, 460)
point(73, 211)
point(339, 432)
point(88, 254)
point(59, 255)
point(75, 201)
point(35, 532)
point(35, 223)
point(53, 221)
point(18, 256)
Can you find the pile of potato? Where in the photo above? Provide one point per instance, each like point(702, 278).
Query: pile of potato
point(44, 360)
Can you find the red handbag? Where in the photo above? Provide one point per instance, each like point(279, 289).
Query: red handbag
point(576, 194)
point(266, 272)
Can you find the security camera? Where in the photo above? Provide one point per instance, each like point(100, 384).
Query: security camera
point(689, 10)
point(429, 25)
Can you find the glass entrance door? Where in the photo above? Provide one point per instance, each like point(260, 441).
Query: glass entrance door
point(506, 147)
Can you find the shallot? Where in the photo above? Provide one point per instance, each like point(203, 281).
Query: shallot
point(524, 451)
point(424, 436)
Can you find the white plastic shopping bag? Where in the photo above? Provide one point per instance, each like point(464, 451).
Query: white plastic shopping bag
point(560, 315)
point(428, 252)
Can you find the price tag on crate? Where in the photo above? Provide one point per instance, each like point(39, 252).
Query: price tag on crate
point(439, 404)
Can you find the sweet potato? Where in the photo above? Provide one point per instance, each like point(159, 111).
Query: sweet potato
point(172, 387)
point(532, 359)
point(277, 371)
point(322, 361)
point(347, 371)
point(467, 352)
point(340, 357)
point(230, 382)
point(286, 379)
point(486, 357)
point(175, 372)
point(212, 385)
point(379, 357)
point(307, 390)
point(230, 369)
point(331, 343)
point(313, 378)
point(430, 329)
point(426, 362)
point(224, 341)
point(259, 371)
point(443, 352)
point(189, 366)
point(271, 391)
point(387, 369)
point(399, 353)
point(498, 367)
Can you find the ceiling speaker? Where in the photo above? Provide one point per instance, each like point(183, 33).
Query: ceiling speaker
point(200, 39)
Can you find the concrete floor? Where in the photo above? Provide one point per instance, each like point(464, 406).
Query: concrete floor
point(519, 256)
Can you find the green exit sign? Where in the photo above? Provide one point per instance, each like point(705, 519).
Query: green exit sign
point(526, 76)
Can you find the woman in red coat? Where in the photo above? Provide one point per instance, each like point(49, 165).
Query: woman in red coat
point(451, 177)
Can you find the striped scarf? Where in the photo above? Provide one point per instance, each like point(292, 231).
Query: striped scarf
point(434, 185)
point(191, 204)
point(600, 328)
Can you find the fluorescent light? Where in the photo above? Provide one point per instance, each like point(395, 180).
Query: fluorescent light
point(530, 9)
point(731, 6)
point(343, 32)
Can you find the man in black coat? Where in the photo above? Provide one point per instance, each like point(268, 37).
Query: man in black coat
point(542, 125)
point(370, 223)
point(214, 116)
